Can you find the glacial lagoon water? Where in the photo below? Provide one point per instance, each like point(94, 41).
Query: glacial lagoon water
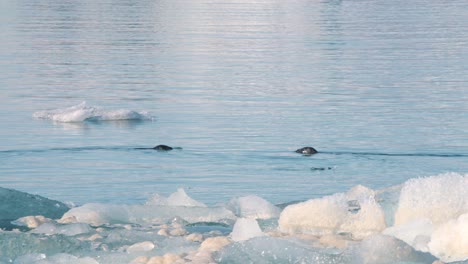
point(380, 88)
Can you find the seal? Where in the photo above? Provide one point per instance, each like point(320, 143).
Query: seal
point(162, 148)
point(306, 151)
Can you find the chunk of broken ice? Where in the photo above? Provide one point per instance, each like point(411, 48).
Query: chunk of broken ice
point(246, 228)
point(252, 206)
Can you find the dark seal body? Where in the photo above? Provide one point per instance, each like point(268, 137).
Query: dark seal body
point(306, 151)
point(162, 148)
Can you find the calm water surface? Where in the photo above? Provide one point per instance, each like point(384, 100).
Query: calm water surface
point(381, 87)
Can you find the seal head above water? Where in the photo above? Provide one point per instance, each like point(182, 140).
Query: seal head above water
point(306, 151)
point(162, 148)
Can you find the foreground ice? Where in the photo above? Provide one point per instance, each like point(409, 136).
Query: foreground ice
point(83, 112)
point(424, 220)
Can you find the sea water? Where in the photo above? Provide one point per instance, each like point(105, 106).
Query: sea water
point(379, 88)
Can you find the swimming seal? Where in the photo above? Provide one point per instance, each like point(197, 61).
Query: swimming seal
point(162, 148)
point(306, 151)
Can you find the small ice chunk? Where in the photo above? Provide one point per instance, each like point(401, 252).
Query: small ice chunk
point(449, 241)
point(317, 216)
point(205, 253)
point(246, 228)
point(333, 241)
point(68, 230)
point(386, 249)
point(94, 214)
point(356, 213)
point(168, 258)
point(178, 232)
point(195, 237)
point(413, 233)
point(67, 220)
point(200, 257)
point(141, 247)
point(93, 237)
point(214, 243)
point(32, 221)
point(100, 214)
point(178, 198)
point(171, 258)
point(252, 206)
point(140, 260)
point(163, 232)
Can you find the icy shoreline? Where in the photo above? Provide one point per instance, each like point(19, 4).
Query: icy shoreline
point(423, 221)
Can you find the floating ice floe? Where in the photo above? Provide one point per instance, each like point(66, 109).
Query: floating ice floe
point(83, 112)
